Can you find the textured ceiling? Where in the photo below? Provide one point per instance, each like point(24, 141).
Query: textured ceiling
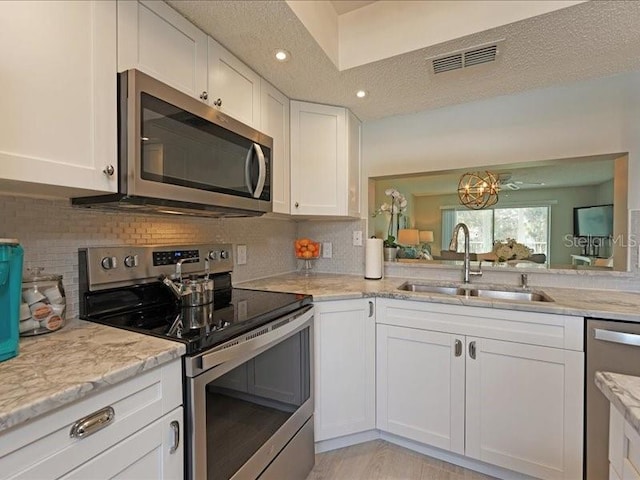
point(592, 39)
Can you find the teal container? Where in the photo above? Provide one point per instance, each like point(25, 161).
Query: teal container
point(11, 255)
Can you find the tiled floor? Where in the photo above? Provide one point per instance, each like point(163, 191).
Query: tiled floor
point(380, 460)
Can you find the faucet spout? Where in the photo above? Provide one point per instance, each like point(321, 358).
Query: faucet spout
point(453, 246)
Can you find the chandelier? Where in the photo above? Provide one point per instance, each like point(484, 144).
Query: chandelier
point(477, 190)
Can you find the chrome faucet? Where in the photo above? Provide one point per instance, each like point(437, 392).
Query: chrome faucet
point(453, 247)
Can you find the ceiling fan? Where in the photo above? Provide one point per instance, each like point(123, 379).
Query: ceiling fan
point(506, 181)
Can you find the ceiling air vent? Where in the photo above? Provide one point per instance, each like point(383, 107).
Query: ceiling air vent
point(466, 58)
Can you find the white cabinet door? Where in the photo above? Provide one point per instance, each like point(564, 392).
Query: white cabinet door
point(420, 383)
point(274, 121)
point(157, 40)
point(524, 408)
point(58, 83)
point(344, 353)
point(155, 452)
point(325, 160)
point(235, 85)
point(319, 166)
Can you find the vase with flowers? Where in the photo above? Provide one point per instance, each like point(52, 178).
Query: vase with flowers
point(395, 208)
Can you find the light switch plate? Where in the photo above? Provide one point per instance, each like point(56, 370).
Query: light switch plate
point(326, 250)
point(241, 254)
point(357, 238)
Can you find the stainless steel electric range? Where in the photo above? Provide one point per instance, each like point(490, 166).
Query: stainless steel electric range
point(248, 368)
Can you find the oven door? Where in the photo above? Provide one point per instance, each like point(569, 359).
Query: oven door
point(176, 147)
point(251, 402)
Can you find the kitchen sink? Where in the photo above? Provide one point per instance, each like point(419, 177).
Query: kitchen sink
point(521, 296)
point(469, 291)
point(419, 287)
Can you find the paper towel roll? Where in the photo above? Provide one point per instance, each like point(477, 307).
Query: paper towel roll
point(373, 259)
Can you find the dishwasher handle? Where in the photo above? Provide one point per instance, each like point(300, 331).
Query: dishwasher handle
point(617, 337)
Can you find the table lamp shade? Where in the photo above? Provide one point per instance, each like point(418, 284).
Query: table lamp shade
point(426, 236)
point(408, 236)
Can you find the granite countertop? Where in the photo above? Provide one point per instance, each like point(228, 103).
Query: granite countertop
point(623, 391)
point(605, 304)
point(61, 367)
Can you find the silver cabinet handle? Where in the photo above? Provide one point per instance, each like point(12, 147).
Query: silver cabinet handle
point(109, 170)
point(92, 423)
point(297, 205)
point(262, 175)
point(204, 95)
point(458, 348)
point(472, 350)
point(370, 309)
point(218, 102)
point(175, 430)
point(616, 337)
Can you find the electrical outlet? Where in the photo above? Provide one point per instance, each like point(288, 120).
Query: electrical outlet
point(357, 238)
point(326, 250)
point(241, 254)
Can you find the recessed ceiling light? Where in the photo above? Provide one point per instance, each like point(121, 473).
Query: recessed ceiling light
point(282, 55)
point(361, 93)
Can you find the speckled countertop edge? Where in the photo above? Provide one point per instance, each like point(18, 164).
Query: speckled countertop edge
point(623, 391)
point(606, 304)
point(61, 367)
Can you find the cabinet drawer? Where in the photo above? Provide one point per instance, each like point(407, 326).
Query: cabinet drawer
point(544, 329)
point(43, 448)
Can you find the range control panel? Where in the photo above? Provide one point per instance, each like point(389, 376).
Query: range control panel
point(171, 257)
point(108, 267)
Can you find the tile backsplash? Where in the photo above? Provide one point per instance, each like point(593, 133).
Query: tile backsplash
point(51, 231)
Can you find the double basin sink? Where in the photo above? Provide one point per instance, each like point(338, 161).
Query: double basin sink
point(521, 295)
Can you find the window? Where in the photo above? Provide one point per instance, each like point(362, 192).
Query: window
point(527, 225)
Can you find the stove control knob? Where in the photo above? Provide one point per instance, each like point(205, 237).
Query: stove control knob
point(109, 263)
point(131, 261)
point(213, 255)
point(224, 254)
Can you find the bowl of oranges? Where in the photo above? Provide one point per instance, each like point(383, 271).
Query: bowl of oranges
point(306, 249)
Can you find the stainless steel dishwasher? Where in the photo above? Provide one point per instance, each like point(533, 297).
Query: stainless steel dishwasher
point(611, 346)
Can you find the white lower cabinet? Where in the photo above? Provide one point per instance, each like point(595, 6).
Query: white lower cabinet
point(143, 439)
point(143, 455)
point(524, 407)
point(344, 357)
point(442, 382)
point(421, 386)
point(624, 448)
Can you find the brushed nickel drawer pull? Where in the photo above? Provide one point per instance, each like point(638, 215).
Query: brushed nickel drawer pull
point(458, 348)
point(175, 430)
point(92, 423)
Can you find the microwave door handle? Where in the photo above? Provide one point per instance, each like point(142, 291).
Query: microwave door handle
point(247, 171)
point(262, 171)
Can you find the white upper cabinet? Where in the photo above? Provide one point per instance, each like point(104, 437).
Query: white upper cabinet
point(325, 160)
point(233, 87)
point(274, 121)
point(155, 39)
point(58, 86)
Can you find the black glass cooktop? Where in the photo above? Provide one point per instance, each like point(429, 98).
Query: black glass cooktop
point(235, 311)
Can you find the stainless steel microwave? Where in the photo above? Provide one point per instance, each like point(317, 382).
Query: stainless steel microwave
point(179, 155)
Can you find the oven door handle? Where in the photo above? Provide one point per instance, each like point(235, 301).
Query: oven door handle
point(617, 337)
point(260, 341)
point(262, 171)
